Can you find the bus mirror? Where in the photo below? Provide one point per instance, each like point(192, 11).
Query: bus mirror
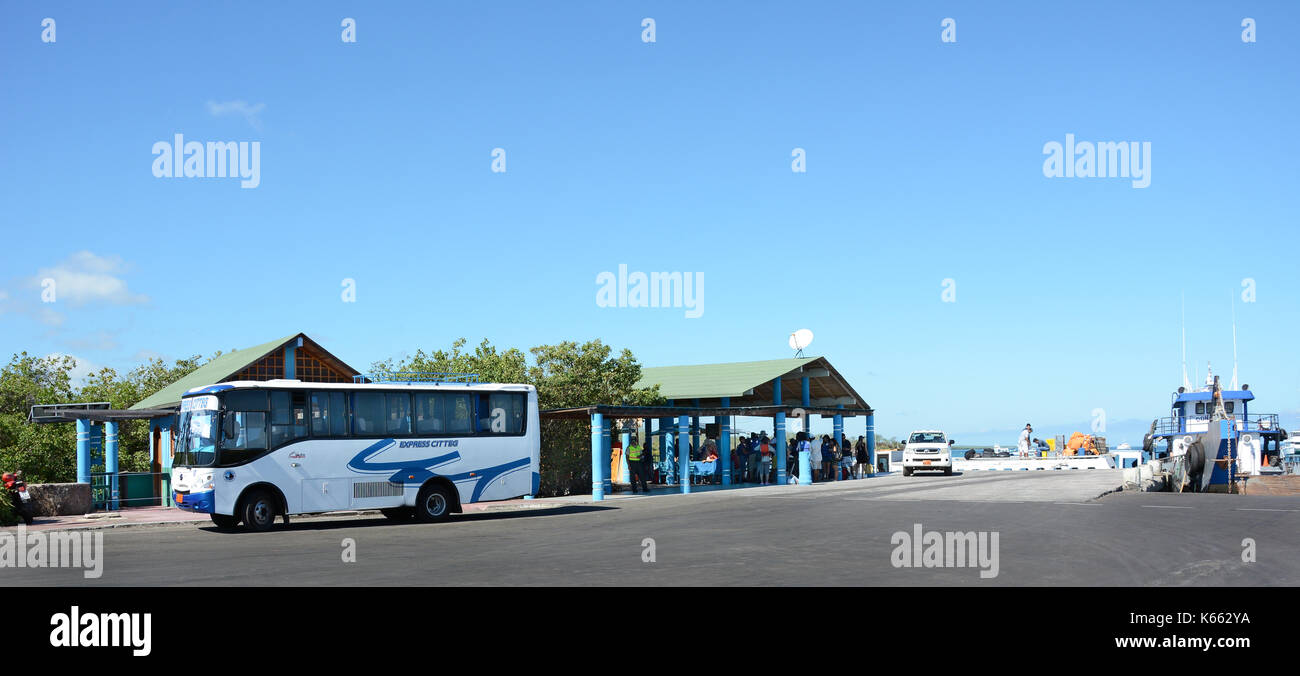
point(228, 425)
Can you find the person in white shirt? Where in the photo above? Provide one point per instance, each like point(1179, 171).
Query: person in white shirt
point(1023, 444)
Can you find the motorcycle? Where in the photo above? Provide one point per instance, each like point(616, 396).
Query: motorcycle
point(19, 496)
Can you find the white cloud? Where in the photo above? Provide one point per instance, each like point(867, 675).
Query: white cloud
point(249, 111)
point(86, 278)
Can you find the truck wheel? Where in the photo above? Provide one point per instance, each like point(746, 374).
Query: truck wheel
point(947, 471)
point(225, 522)
point(259, 510)
point(432, 504)
point(907, 471)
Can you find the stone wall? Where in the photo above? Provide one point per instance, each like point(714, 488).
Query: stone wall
point(60, 499)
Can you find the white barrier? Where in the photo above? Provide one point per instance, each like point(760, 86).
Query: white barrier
point(1016, 464)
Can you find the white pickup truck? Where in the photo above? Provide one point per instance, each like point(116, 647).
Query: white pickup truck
point(927, 450)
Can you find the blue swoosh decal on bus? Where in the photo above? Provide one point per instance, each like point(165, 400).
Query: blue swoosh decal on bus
point(417, 471)
point(485, 476)
point(360, 463)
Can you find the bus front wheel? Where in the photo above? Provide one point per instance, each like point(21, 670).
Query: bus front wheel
point(259, 510)
point(432, 504)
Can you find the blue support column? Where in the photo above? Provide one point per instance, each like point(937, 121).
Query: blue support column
point(871, 443)
point(669, 428)
point(666, 444)
point(597, 484)
point(110, 463)
point(779, 456)
point(683, 457)
point(837, 424)
point(83, 451)
point(724, 443)
point(606, 456)
point(778, 431)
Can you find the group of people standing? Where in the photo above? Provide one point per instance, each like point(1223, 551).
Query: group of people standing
point(831, 456)
point(753, 460)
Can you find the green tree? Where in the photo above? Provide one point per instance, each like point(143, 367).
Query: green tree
point(43, 452)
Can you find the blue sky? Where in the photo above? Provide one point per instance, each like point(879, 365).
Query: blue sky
point(924, 163)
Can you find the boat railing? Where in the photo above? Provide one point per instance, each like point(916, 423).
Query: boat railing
point(1260, 422)
point(1253, 422)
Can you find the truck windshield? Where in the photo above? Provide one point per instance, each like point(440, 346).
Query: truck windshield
point(927, 438)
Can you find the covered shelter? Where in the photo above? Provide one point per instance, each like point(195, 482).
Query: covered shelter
point(775, 388)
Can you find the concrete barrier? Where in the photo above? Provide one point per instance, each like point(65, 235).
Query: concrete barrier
point(60, 499)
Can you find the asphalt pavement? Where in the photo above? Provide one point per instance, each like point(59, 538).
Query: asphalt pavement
point(1041, 528)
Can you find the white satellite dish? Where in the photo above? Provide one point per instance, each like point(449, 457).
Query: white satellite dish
point(799, 340)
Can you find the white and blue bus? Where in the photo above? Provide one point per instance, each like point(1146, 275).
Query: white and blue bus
point(249, 451)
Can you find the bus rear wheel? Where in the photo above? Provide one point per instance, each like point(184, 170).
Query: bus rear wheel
point(259, 510)
point(432, 504)
point(225, 522)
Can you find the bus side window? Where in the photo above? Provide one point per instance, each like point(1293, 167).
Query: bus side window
point(288, 416)
point(506, 409)
point(458, 412)
point(368, 413)
point(399, 413)
point(328, 414)
point(338, 414)
point(429, 413)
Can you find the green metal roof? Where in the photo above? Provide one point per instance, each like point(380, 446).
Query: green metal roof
point(212, 372)
point(705, 381)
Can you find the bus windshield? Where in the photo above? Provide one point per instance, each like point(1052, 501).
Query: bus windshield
point(196, 438)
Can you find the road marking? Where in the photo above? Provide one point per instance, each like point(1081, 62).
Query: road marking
point(1087, 504)
point(1165, 507)
point(1261, 509)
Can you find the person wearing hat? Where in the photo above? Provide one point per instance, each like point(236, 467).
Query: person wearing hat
point(1023, 444)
